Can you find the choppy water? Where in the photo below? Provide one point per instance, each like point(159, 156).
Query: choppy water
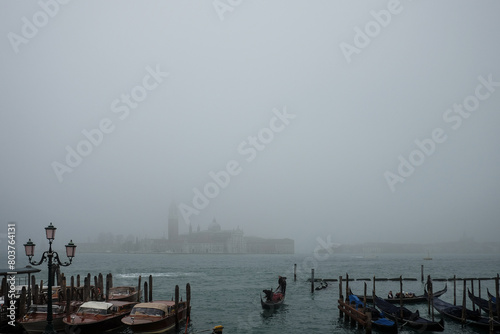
point(225, 289)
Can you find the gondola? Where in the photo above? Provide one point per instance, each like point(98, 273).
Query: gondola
point(410, 300)
point(408, 318)
point(273, 300)
point(473, 318)
point(482, 303)
point(379, 321)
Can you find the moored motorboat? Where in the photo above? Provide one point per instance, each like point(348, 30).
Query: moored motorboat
point(155, 317)
point(35, 320)
point(96, 317)
point(123, 293)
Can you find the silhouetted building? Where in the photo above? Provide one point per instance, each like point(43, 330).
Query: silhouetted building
point(217, 240)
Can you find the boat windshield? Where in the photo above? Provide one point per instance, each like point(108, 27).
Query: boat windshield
point(43, 309)
point(91, 310)
point(147, 311)
point(121, 291)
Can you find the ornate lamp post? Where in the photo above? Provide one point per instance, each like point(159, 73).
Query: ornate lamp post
point(50, 256)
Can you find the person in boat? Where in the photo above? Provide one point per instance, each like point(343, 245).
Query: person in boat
point(390, 296)
point(269, 295)
point(281, 284)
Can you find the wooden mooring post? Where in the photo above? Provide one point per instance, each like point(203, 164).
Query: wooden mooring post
point(341, 297)
point(454, 289)
point(108, 286)
point(472, 290)
point(312, 280)
point(188, 301)
point(464, 304)
point(139, 290)
point(295, 272)
point(150, 288)
point(176, 307)
point(497, 280)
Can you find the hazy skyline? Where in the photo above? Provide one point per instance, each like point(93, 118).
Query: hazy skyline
point(293, 119)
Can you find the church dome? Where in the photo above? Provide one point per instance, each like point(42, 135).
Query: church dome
point(214, 226)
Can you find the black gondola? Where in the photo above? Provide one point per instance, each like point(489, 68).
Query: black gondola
point(482, 303)
point(473, 318)
point(493, 298)
point(408, 318)
point(410, 300)
point(273, 300)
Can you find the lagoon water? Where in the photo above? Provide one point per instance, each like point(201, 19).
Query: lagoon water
point(226, 289)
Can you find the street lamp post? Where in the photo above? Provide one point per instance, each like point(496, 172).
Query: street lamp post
point(50, 256)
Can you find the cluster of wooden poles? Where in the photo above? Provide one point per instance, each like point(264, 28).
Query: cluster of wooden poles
point(363, 317)
point(76, 292)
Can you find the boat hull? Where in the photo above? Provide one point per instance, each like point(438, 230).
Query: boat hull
point(93, 324)
point(271, 305)
point(107, 317)
point(408, 318)
point(472, 318)
point(151, 325)
point(408, 300)
point(38, 326)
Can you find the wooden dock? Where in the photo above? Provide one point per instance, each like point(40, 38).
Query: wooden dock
point(360, 316)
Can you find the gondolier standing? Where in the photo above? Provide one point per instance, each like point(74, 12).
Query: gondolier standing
point(282, 284)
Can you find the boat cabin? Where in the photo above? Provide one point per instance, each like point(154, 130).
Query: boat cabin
point(104, 308)
point(151, 309)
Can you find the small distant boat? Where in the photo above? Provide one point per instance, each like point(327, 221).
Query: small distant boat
point(35, 320)
point(123, 293)
point(428, 257)
point(472, 318)
point(155, 317)
point(410, 298)
point(322, 286)
point(97, 317)
point(273, 300)
point(407, 317)
point(484, 304)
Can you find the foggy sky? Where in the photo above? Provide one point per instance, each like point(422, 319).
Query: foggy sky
point(310, 104)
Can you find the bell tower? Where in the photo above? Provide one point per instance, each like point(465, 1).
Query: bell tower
point(173, 222)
